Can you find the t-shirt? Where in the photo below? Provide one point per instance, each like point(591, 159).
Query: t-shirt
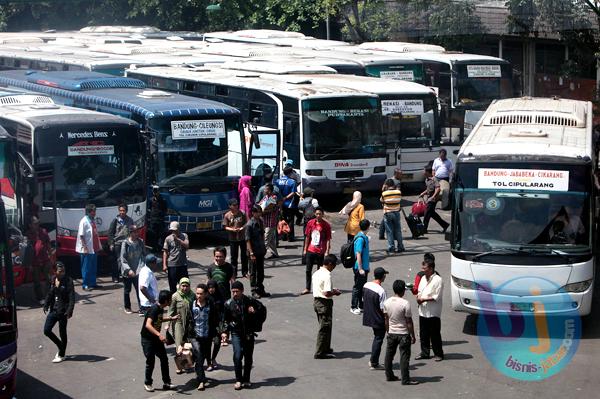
point(176, 253)
point(286, 186)
point(373, 299)
point(361, 244)
point(442, 169)
point(255, 233)
point(398, 311)
point(156, 314)
point(391, 200)
point(321, 282)
point(147, 279)
point(236, 221)
point(318, 233)
point(222, 275)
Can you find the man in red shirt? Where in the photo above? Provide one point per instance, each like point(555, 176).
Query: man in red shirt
point(317, 243)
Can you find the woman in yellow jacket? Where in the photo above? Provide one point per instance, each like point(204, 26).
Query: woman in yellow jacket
point(356, 212)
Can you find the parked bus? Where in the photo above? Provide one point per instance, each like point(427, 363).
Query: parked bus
point(525, 207)
point(332, 134)
point(195, 148)
point(91, 157)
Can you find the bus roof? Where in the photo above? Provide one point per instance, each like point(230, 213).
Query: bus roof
point(401, 47)
point(451, 57)
point(294, 39)
point(277, 67)
point(148, 103)
point(532, 126)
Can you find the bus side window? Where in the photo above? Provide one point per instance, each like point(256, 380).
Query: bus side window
point(291, 138)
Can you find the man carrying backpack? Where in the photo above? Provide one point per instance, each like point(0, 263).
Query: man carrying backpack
point(361, 267)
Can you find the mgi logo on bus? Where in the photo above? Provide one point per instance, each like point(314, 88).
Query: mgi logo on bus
point(528, 344)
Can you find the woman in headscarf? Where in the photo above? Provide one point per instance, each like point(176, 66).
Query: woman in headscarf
point(245, 193)
point(215, 295)
point(355, 212)
point(180, 305)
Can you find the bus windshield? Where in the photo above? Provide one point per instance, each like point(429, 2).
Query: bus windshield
point(409, 122)
point(91, 164)
point(489, 219)
point(342, 128)
point(193, 150)
point(477, 84)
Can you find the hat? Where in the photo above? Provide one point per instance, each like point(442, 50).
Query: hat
point(150, 259)
point(308, 191)
point(237, 285)
point(289, 162)
point(174, 225)
point(379, 273)
point(184, 280)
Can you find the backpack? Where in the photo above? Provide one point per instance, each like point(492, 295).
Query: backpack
point(255, 323)
point(309, 211)
point(347, 254)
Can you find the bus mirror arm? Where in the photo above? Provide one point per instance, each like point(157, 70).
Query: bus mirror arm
point(255, 140)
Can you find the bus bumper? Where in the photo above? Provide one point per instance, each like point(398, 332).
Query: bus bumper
point(325, 186)
point(65, 246)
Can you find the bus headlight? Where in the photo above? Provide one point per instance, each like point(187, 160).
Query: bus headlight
point(7, 365)
point(467, 284)
point(576, 287)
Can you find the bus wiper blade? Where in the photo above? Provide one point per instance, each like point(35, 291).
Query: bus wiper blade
point(549, 251)
point(500, 251)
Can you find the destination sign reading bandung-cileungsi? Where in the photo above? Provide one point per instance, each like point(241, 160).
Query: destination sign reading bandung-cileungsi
point(524, 179)
point(198, 129)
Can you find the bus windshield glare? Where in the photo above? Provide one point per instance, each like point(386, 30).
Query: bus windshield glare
point(409, 123)
point(186, 160)
point(99, 165)
point(477, 85)
point(342, 128)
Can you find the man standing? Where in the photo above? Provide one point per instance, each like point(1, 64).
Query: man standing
point(153, 341)
point(175, 255)
point(117, 233)
point(270, 212)
point(222, 272)
point(288, 189)
point(361, 267)
point(391, 198)
point(148, 286)
point(238, 311)
point(157, 209)
point(442, 171)
point(132, 261)
point(88, 245)
point(255, 244)
point(60, 301)
point(40, 265)
point(401, 333)
point(234, 222)
point(323, 293)
point(374, 296)
point(317, 243)
point(429, 298)
point(432, 190)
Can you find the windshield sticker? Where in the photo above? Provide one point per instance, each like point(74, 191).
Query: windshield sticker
point(493, 206)
point(524, 179)
point(89, 148)
point(398, 75)
point(199, 129)
point(404, 107)
point(484, 71)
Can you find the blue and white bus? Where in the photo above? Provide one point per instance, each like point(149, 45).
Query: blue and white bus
point(194, 148)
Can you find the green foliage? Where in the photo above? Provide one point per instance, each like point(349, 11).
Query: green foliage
point(170, 14)
point(366, 20)
point(522, 16)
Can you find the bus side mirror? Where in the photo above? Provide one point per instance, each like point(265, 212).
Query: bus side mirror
point(256, 140)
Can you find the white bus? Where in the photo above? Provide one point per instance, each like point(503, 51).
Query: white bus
point(523, 220)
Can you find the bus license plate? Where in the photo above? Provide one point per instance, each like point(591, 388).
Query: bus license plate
point(521, 307)
point(204, 225)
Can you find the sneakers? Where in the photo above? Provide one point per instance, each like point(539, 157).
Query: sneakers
point(376, 366)
point(148, 388)
point(58, 358)
point(355, 311)
point(167, 387)
point(128, 311)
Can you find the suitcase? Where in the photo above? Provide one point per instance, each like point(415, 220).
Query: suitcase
point(417, 229)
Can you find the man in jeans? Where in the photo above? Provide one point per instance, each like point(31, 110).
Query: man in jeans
point(117, 233)
point(323, 293)
point(317, 243)
point(374, 297)
point(255, 244)
point(88, 245)
point(390, 199)
point(361, 267)
point(401, 333)
point(234, 222)
point(175, 255)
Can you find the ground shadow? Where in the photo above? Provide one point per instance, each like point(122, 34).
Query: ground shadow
point(351, 355)
point(284, 295)
point(30, 387)
point(449, 343)
point(86, 358)
point(457, 356)
point(274, 382)
point(425, 380)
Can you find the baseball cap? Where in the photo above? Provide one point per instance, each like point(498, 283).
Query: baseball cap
point(150, 259)
point(379, 273)
point(174, 225)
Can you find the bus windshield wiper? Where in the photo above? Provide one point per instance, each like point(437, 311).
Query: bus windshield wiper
point(500, 251)
point(549, 251)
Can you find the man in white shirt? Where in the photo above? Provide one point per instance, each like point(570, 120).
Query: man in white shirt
point(442, 171)
point(429, 298)
point(147, 284)
point(87, 246)
point(323, 292)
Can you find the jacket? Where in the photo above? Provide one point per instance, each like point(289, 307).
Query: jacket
point(238, 320)
point(179, 306)
point(61, 299)
point(132, 256)
point(213, 320)
point(116, 231)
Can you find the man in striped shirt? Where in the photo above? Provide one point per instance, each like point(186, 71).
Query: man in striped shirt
point(390, 198)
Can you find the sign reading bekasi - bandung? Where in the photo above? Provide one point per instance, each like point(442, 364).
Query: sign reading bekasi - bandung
point(198, 129)
point(524, 179)
point(404, 107)
point(484, 71)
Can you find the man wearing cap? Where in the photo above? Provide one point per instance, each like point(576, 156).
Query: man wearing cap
point(148, 286)
point(373, 299)
point(60, 301)
point(234, 222)
point(131, 260)
point(175, 255)
point(117, 233)
point(323, 293)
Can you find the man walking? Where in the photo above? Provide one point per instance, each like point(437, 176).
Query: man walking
point(432, 190)
point(361, 267)
point(255, 244)
point(132, 261)
point(429, 298)
point(288, 189)
point(175, 255)
point(88, 245)
point(401, 333)
point(60, 301)
point(234, 222)
point(317, 244)
point(374, 296)
point(391, 198)
point(148, 286)
point(222, 272)
point(270, 213)
point(117, 233)
point(323, 293)
point(153, 341)
point(442, 170)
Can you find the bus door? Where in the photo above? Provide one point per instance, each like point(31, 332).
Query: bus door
point(264, 155)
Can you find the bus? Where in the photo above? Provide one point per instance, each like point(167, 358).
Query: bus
point(331, 134)
point(81, 157)
point(194, 148)
point(8, 165)
point(524, 209)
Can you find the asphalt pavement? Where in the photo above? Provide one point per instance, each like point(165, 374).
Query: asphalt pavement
point(106, 361)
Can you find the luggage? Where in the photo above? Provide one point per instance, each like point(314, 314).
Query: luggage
point(415, 224)
point(419, 208)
